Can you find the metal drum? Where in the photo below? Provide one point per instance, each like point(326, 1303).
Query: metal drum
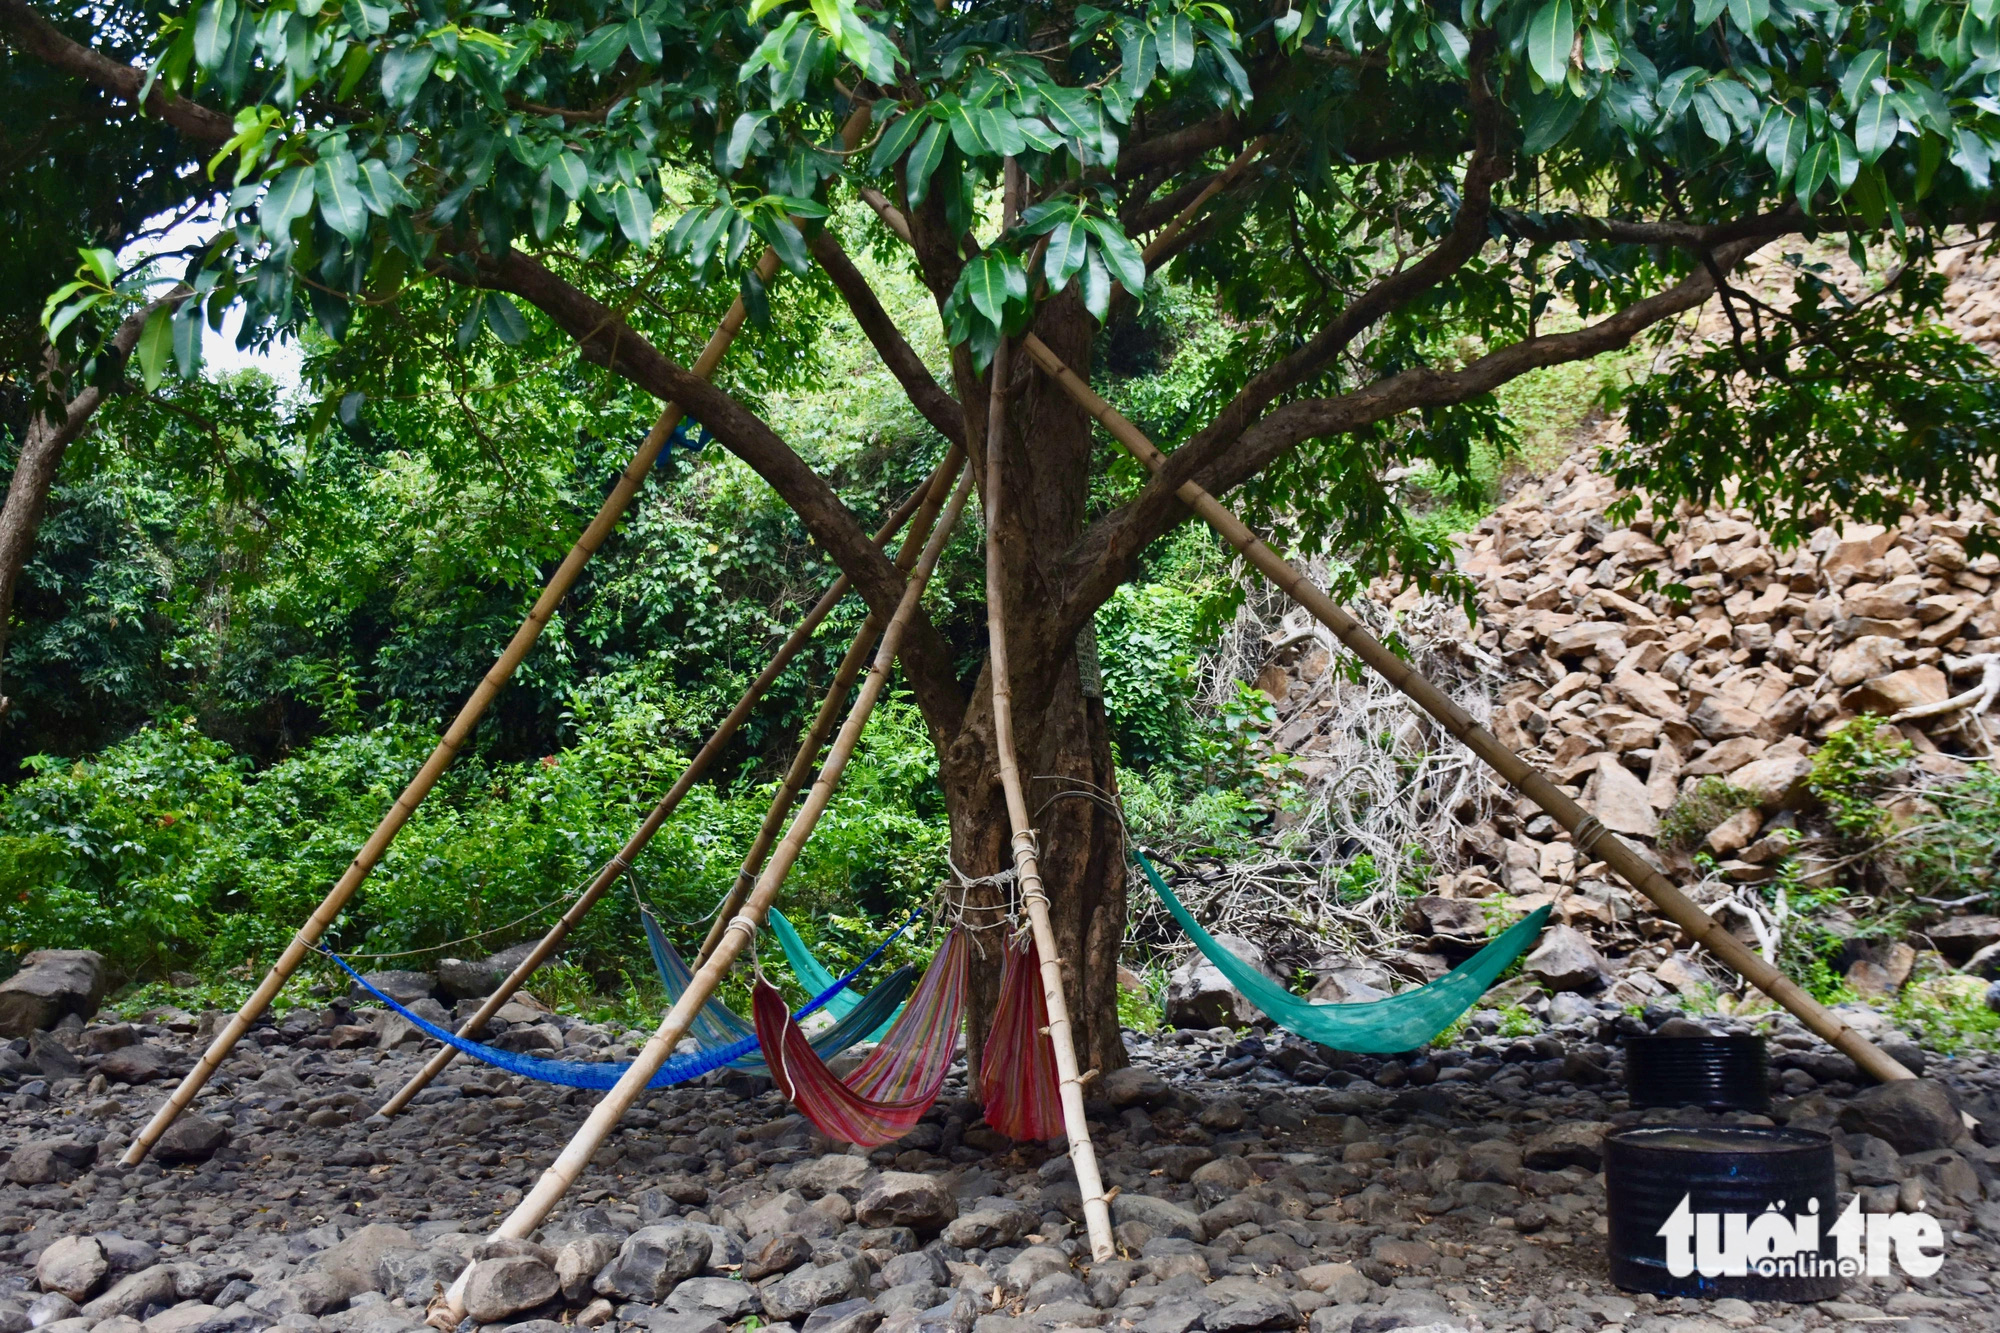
point(1719, 1073)
point(1728, 1178)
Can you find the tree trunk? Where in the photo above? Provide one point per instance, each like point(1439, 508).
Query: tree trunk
point(1059, 722)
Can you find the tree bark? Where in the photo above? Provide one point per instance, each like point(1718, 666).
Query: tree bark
point(48, 436)
point(1060, 727)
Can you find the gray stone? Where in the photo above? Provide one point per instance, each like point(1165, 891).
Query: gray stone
point(497, 1288)
point(475, 980)
point(906, 1199)
point(1199, 996)
point(991, 1223)
point(835, 1173)
point(403, 987)
point(1575, 1143)
point(126, 1255)
point(725, 1251)
point(1055, 1289)
point(73, 1265)
point(652, 1261)
point(51, 1308)
point(856, 1316)
point(50, 985)
point(133, 1293)
point(191, 1138)
point(916, 1266)
point(139, 1063)
point(1134, 1085)
point(1178, 1316)
point(799, 1293)
point(1159, 1216)
point(357, 1260)
point(776, 1253)
point(1620, 801)
point(44, 1161)
point(418, 1275)
point(1264, 1308)
point(909, 1296)
point(1565, 960)
point(656, 1320)
point(188, 1317)
point(580, 1261)
point(1912, 1115)
point(719, 1298)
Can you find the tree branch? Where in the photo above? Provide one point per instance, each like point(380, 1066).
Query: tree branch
point(924, 392)
point(28, 31)
point(606, 340)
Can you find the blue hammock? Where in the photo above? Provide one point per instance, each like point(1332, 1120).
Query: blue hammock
point(602, 1075)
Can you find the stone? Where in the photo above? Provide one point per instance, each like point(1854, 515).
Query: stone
point(719, 1298)
point(835, 1173)
point(498, 1288)
point(804, 1290)
point(73, 1265)
point(1263, 1308)
point(991, 1223)
point(1159, 1216)
point(1735, 833)
point(1620, 801)
point(416, 1276)
point(777, 1253)
point(652, 1261)
point(45, 1161)
point(1464, 918)
point(460, 979)
point(357, 1260)
point(1343, 1282)
point(1718, 719)
point(1134, 1085)
point(1199, 996)
point(1911, 1115)
point(404, 988)
point(1960, 938)
point(1777, 782)
point(47, 987)
point(1866, 657)
point(906, 1199)
point(1898, 690)
point(191, 1138)
point(51, 1308)
point(580, 1261)
point(1565, 960)
point(1574, 1143)
point(851, 1316)
point(140, 1063)
point(133, 1293)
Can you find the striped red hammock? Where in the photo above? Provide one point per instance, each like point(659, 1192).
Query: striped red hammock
point(1017, 1072)
point(897, 1082)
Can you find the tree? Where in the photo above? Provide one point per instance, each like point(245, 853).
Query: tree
point(1357, 185)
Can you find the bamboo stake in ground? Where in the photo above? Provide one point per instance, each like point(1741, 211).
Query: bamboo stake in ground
point(1590, 837)
point(1027, 868)
point(829, 711)
point(742, 928)
point(617, 865)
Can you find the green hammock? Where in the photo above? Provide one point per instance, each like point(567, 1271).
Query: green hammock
point(814, 977)
point(1399, 1023)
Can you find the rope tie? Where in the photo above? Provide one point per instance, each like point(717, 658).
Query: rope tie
point(1587, 834)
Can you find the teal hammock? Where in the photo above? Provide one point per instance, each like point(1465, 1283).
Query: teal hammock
point(814, 977)
point(1379, 1027)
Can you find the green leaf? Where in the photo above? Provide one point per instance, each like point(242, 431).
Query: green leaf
point(1749, 15)
point(187, 338)
point(1972, 155)
point(214, 25)
point(602, 48)
point(570, 175)
point(289, 198)
point(1123, 257)
point(1708, 11)
point(1176, 38)
point(340, 203)
point(1141, 53)
point(923, 160)
point(896, 141)
point(1600, 50)
point(984, 284)
point(1551, 35)
point(1096, 284)
point(642, 38)
point(1452, 47)
point(1549, 120)
point(1814, 165)
point(1846, 162)
point(156, 344)
point(380, 189)
point(404, 71)
point(1069, 243)
point(1862, 72)
point(634, 212)
point(731, 152)
point(505, 319)
point(68, 313)
point(102, 263)
point(759, 8)
point(1875, 128)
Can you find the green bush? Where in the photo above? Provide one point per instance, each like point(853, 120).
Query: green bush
point(1691, 817)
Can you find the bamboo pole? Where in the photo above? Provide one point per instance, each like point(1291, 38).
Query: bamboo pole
point(1027, 865)
point(1590, 837)
point(742, 928)
point(618, 864)
point(829, 711)
point(455, 736)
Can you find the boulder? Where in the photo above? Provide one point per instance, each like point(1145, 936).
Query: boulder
point(1898, 690)
point(402, 987)
point(805, 1290)
point(139, 1063)
point(1959, 938)
point(130, 1295)
point(1911, 1115)
point(1158, 1216)
point(1133, 1085)
point(719, 1298)
point(1718, 719)
point(1565, 960)
point(580, 1261)
point(1618, 799)
point(1577, 1143)
point(858, 1315)
point(417, 1276)
point(906, 1199)
point(357, 1260)
point(461, 979)
point(1866, 657)
point(1778, 782)
point(991, 1223)
point(1464, 918)
point(73, 1265)
point(498, 1288)
point(50, 985)
point(191, 1138)
point(652, 1262)
point(45, 1161)
point(1199, 996)
point(835, 1173)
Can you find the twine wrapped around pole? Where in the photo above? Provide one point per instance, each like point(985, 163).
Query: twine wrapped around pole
point(1069, 1084)
point(546, 947)
point(456, 735)
point(736, 934)
point(1590, 836)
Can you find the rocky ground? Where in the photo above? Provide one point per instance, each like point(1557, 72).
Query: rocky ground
point(1456, 1191)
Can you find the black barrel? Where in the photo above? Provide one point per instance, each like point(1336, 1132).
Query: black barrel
point(1719, 1073)
point(1650, 1170)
